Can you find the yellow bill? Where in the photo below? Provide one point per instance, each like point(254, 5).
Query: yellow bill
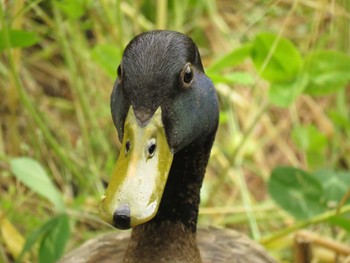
point(140, 174)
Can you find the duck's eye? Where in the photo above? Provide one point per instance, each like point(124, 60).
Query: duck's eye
point(127, 146)
point(151, 147)
point(187, 75)
point(119, 72)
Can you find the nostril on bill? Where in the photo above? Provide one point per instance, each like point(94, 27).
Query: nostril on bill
point(121, 217)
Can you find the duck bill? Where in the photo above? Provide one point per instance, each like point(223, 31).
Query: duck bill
point(140, 174)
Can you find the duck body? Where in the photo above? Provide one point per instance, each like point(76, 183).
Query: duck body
point(215, 246)
point(166, 113)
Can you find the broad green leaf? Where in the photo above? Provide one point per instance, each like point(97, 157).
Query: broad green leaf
point(328, 71)
point(340, 221)
point(312, 141)
point(276, 59)
point(18, 39)
point(54, 241)
point(232, 59)
point(296, 191)
point(32, 174)
point(73, 9)
point(242, 78)
point(49, 230)
point(309, 138)
point(108, 57)
point(283, 94)
point(33, 238)
point(335, 184)
point(340, 119)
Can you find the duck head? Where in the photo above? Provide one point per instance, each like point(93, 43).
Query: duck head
point(162, 102)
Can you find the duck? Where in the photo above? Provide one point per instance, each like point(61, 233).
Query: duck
point(166, 112)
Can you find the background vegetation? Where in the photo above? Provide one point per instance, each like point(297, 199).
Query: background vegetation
point(281, 160)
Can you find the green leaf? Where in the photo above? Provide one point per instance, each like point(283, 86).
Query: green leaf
point(340, 221)
point(335, 185)
point(296, 191)
point(32, 174)
point(73, 9)
point(54, 241)
point(283, 94)
point(312, 141)
point(232, 59)
point(55, 230)
point(340, 119)
point(34, 237)
point(309, 138)
point(108, 57)
point(276, 59)
point(18, 39)
point(242, 78)
point(328, 71)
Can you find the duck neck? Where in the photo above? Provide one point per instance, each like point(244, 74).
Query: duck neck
point(173, 230)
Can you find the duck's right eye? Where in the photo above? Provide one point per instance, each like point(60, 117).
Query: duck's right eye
point(187, 75)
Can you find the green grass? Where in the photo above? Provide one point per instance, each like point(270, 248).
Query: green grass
point(55, 89)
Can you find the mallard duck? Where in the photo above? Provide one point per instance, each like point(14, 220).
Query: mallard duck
point(166, 113)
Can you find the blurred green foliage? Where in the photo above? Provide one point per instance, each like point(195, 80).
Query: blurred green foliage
point(282, 75)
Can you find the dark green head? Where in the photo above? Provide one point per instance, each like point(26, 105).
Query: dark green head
point(162, 102)
point(164, 69)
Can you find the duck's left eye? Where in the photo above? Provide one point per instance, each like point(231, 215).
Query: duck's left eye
point(151, 147)
point(187, 75)
point(127, 146)
point(119, 72)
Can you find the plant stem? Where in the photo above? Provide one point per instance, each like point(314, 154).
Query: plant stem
point(86, 118)
point(250, 129)
point(302, 224)
point(162, 14)
point(243, 188)
point(29, 106)
point(119, 18)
